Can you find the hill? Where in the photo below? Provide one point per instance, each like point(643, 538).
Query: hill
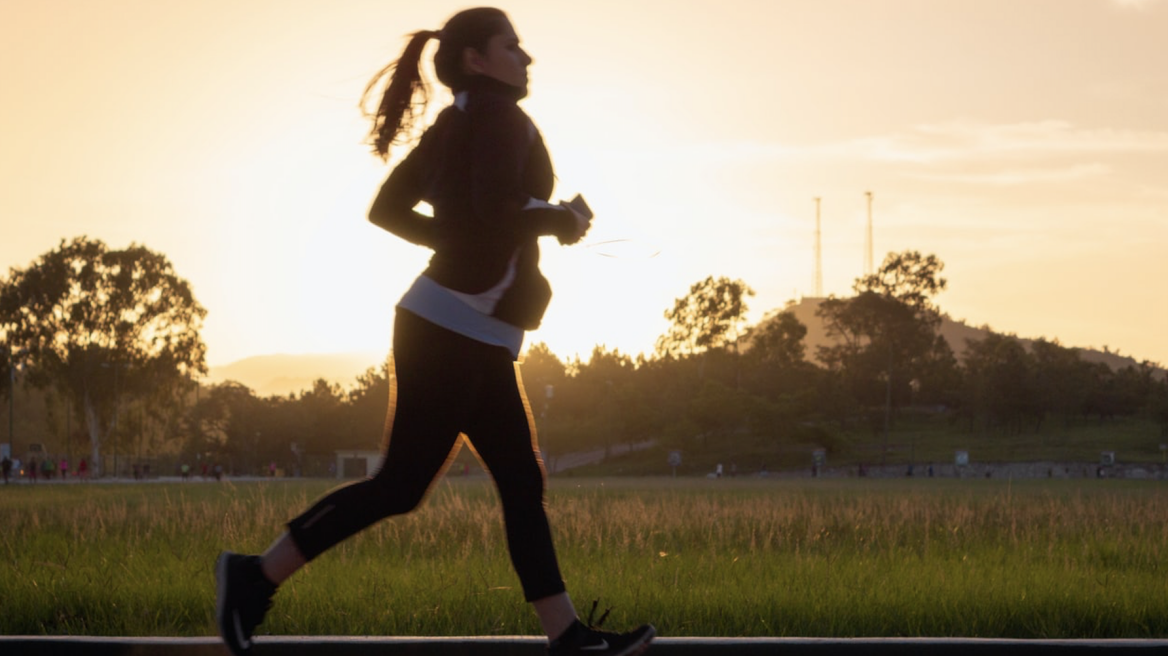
point(279, 375)
point(956, 333)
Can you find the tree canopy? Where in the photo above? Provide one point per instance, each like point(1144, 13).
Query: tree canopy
point(712, 314)
point(98, 324)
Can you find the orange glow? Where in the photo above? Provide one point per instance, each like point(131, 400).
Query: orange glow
point(226, 135)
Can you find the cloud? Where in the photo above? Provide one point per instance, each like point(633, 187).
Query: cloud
point(1019, 176)
point(963, 140)
point(1136, 4)
point(957, 141)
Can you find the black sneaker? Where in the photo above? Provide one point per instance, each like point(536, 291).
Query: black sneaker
point(581, 639)
point(243, 599)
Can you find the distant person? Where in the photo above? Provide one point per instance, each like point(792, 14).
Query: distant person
point(6, 467)
point(32, 469)
point(83, 469)
point(63, 467)
point(483, 168)
point(185, 470)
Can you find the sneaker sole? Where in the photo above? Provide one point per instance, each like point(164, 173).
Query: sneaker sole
point(638, 648)
point(648, 639)
point(221, 564)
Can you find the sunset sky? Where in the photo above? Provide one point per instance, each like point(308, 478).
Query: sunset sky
point(1024, 142)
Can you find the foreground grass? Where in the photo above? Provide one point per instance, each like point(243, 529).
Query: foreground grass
point(1038, 559)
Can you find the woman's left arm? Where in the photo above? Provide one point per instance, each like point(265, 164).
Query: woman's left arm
point(393, 209)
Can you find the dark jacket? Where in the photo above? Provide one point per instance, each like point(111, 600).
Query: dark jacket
point(479, 166)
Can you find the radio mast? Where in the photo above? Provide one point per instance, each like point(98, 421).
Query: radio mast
point(868, 264)
point(818, 253)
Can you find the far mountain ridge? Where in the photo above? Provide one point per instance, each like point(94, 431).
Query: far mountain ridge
point(283, 374)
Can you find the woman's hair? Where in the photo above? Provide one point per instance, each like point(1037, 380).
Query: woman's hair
point(404, 99)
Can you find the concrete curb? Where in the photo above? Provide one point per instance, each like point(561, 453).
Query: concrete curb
point(534, 646)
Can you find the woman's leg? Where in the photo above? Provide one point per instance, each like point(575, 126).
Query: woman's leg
point(430, 391)
point(556, 613)
point(281, 560)
point(429, 396)
point(502, 432)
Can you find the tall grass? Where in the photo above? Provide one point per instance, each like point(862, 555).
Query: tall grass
point(1051, 559)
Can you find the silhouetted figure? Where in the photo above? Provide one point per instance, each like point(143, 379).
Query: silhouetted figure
point(484, 170)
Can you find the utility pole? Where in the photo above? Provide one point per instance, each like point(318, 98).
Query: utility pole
point(818, 253)
point(11, 398)
point(117, 407)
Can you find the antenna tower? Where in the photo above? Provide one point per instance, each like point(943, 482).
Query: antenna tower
point(868, 264)
point(818, 254)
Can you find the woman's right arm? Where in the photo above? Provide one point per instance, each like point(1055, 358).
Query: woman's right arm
point(393, 209)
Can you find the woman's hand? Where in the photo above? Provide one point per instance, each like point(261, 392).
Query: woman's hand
point(583, 223)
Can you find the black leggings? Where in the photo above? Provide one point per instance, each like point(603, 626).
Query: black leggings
point(447, 384)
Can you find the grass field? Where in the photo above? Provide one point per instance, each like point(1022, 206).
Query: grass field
point(919, 439)
point(698, 557)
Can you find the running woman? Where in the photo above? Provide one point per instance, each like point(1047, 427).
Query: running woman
point(483, 168)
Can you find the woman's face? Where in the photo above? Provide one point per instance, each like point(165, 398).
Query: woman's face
point(503, 59)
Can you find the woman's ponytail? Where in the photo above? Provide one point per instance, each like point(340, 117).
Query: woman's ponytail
point(398, 109)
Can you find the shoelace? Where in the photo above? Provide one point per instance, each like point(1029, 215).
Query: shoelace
point(592, 612)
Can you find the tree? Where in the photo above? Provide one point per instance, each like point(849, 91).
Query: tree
point(777, 341)
point(938, 378)
point(999, 381)
point(540, 369)
point(1158, 404)
point(230, 426)
point(909, 277)
point(711, 315)
point(774, 362)
point(887, 331)
point(717, 410)
point(322, 407)
point(366, 410)
point(604, 397)
point(7, 371)
point(103, 326)
point(1061, 379)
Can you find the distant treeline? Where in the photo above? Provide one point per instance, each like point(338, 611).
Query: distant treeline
point(711, 378)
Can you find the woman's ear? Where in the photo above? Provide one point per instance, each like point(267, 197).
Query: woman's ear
point(472, 60)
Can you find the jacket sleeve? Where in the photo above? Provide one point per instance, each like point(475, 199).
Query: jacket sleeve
point(501, 139)
point(393, 209)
